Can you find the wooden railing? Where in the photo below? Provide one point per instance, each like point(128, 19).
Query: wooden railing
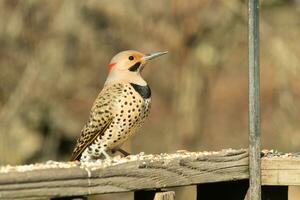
point(218, 175)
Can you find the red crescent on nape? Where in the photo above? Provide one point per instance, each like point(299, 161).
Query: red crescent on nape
point(110, 66)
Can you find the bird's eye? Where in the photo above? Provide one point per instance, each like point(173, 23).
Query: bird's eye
point(131, 58)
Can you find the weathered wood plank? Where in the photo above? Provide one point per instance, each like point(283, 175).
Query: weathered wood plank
point(142, 172)
point(281, 171)
point(126, 174)
point(167, 195)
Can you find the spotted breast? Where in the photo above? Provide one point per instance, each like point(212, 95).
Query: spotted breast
point(122, 110)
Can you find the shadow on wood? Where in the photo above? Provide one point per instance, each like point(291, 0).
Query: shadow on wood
point(144, 195)
point(154, 195)
point(274, 192)
point(71, 198)
point(233, 190)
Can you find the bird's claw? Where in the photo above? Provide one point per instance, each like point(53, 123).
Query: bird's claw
point(125, 153)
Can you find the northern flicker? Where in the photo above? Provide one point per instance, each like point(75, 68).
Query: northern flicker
point(120, 108)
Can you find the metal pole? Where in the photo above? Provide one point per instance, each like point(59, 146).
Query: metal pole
point(254, 101)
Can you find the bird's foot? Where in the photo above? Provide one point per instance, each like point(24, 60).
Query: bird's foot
point(125, 153)
point(103, 152)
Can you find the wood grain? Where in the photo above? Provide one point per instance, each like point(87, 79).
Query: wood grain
point(281, 171)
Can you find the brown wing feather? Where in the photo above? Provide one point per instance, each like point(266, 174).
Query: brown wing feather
point(101, 116)
point(84, 142)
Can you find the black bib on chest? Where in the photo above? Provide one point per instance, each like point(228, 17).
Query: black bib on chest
point(144, 91)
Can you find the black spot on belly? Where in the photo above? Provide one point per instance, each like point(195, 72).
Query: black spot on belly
point(144, 91)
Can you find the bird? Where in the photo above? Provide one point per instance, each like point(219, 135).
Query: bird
point(119, 110)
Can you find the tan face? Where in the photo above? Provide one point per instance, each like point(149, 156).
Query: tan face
point(131, 61)
point(126, 67)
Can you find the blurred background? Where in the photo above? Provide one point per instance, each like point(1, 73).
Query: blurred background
point(53, 63)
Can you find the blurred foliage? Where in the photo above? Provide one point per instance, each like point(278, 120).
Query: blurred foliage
point(53, 58)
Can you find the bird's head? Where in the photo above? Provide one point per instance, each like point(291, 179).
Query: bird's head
point(127, 65)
